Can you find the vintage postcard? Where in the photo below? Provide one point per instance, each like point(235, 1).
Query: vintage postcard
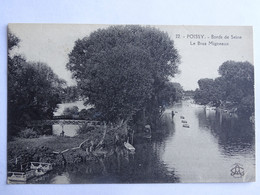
point(130, 104)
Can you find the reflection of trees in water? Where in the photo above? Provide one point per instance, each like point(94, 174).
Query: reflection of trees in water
point(122, 167)
point(144, 166)
point(234, 134)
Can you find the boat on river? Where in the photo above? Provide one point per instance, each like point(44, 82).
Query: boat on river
point(45, 167)
point(184, 121)
point(35, 169)
point(186, 125)
point(20, 176)
point(129, 147)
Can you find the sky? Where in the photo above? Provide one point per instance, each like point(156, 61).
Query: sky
point(200, 58)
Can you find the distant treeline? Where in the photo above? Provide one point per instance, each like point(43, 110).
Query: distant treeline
point(189, 93)
point(234, 89)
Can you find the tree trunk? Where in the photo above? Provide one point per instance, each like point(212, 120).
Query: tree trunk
point(144, 118)
point(103, 137)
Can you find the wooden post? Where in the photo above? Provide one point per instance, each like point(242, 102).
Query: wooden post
point(144, 121)
point(132, 141)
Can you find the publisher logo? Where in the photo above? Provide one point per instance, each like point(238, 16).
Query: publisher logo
point(237, 170)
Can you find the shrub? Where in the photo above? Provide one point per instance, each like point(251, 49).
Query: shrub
point(85, 128)
point(28, 133)
point(71, 111)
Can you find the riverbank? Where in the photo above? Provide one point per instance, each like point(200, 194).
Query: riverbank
point(60, 150)
point(91, 144)
point(22, 150)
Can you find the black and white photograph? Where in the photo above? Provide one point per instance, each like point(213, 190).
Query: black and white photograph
point(95, 104)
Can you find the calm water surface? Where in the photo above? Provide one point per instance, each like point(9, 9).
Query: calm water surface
point(70, 130)
point(205, 152)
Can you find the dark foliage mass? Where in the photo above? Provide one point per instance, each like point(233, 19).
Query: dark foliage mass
point(124, 69)
point(234, 87)
point(170, 93)
point(70, 94)
point(33, 90)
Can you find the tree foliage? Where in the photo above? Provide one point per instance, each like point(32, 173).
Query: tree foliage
point(33, 89)
point(120, 69)
point(210, 91)
point(170, 93)
point(235, 86)
point(239, 80)
point(12, 41)
point(70, 111)
point(70, 94)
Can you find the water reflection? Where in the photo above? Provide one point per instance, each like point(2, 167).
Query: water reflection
point(69, 130)
point(121, 167)
point(63, 178)
point(234, 135)
point(207, 150)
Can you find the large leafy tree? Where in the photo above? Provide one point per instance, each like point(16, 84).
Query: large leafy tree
point(33, 89)
point(210, 91)
point(170, 93)
point(122, 68)
point(235, 86)
point(239, 79)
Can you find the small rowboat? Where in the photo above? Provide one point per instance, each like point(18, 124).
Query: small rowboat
point(36, 169)
point(129, 146)
point(186, 125)
point(20, 176)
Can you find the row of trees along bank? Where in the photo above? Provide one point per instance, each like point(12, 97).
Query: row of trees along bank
point(124, 72)
point(233, 90)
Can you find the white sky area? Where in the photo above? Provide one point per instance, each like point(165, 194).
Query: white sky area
point(51, 44)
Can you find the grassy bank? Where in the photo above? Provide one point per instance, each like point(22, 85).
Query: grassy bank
point(55, 143)
point(22, 151)
point(47, 148)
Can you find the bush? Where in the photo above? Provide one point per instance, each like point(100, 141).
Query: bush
point(71, 111)
point(85, 128)
point(28, 133)
point(90, 114)
point(247, 105)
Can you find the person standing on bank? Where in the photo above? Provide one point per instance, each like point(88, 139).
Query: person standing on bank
point(172, 114)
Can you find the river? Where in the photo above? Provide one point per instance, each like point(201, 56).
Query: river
point(210, 150)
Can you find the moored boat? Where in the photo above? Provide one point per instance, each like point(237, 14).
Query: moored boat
point(35, 169)
point(20, 176)
point(39, 165)
point(186, 125)
point(129, 146)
